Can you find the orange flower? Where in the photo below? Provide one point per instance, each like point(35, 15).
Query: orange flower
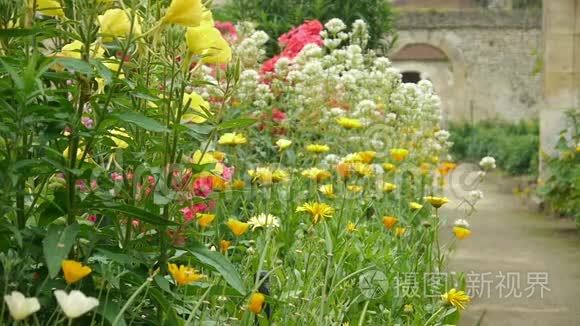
point(344, 170)
point(399, 154)
point(389, 221)
point(204, 220)
point(461, 233)
point(256, 302)
point(238, 228)
point(446, 167)
point(224, 245)
point(74, 271)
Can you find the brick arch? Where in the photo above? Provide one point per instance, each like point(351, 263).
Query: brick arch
point(425, 45)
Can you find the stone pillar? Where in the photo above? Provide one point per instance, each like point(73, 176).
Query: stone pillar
point(561, 29)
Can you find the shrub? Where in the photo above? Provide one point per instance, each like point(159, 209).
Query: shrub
point(278, 16)
point(514, 145)
point(561, 188)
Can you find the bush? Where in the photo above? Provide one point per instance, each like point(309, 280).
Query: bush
point(515, 146)
point(561, 189)
point(278, 16)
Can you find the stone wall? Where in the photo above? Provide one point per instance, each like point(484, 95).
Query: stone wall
point(492, 57)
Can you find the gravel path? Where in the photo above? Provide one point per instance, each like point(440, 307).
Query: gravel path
point(511, 255)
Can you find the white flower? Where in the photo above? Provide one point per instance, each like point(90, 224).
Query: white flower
point(20, 306)
point(442, 135)
point(461, 222)
point(335, 25)
point(265, 221)
point(76, 303)
point(475, 195)
point(487, 163)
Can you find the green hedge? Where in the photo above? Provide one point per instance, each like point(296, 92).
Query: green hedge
point(514, 145)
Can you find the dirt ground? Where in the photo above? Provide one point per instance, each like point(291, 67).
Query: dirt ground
point(523, 267)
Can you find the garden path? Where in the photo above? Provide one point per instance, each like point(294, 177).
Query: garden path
point(508, 238)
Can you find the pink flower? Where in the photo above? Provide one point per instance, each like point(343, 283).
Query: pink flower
point(135, 223)
point(92, 218)
point(203, 186)
point(228, 173)
point(189, 213)
point(87, 122)
point(270, 64)
point(228, 30)
point(81, 185)
point(116, 176)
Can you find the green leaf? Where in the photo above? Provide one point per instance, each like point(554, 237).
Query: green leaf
point(236, 123)
point(142, 121)
point(110, 309)
point(219, 263)
point(18, 32)
point(57, 244)
point(77, 65)
point(119, 257)
point(131, 211)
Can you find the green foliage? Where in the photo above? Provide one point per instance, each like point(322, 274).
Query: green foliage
point(276, 17)
point(561, 189)
point(515, 146)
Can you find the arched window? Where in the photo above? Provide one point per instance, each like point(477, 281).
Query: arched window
point(411, 77)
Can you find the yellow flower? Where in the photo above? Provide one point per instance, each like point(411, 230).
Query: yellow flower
point(256, 302)
point(351, 227)
point(425, 168)
point(364, 170)
point(280, 175)
point(389, 167)
point(184, 12)
point(238, 228)
point(283, 144)
point(80, 152)
point(461, 233)
point(47, 7)
point(367, 156)
point(238, 184)
point(117, 23)
point(220, 156)
point(232, 138)
point(74, 271)
point(400, 231)
point(224, 245)
point(207, 42)
point(317, 148)
point(317, 211)
point(184, 275)
point(389, 187)
point(436, 201)
point(199, 106)
point(75, 48)
point(316, 174)
point(354, 188)
point(399, 154)
point(204, 220)
point(119, 142)
point(415, 206)
point(389, 221)
point(327, 190)
point(114, 66)
point(408, 308)
point(457, 299)
point(261, 175)
point(348, 123)
point(208, 158)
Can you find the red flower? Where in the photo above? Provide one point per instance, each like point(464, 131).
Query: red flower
point(278, 116)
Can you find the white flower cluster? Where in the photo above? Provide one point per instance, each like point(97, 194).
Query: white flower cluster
point(343, 79)
point(487, 163)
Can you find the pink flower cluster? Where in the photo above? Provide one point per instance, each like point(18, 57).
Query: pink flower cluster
point(294, 41)
point(228, 30)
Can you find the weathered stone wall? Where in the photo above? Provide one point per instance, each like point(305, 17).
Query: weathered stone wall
point(492, 56)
